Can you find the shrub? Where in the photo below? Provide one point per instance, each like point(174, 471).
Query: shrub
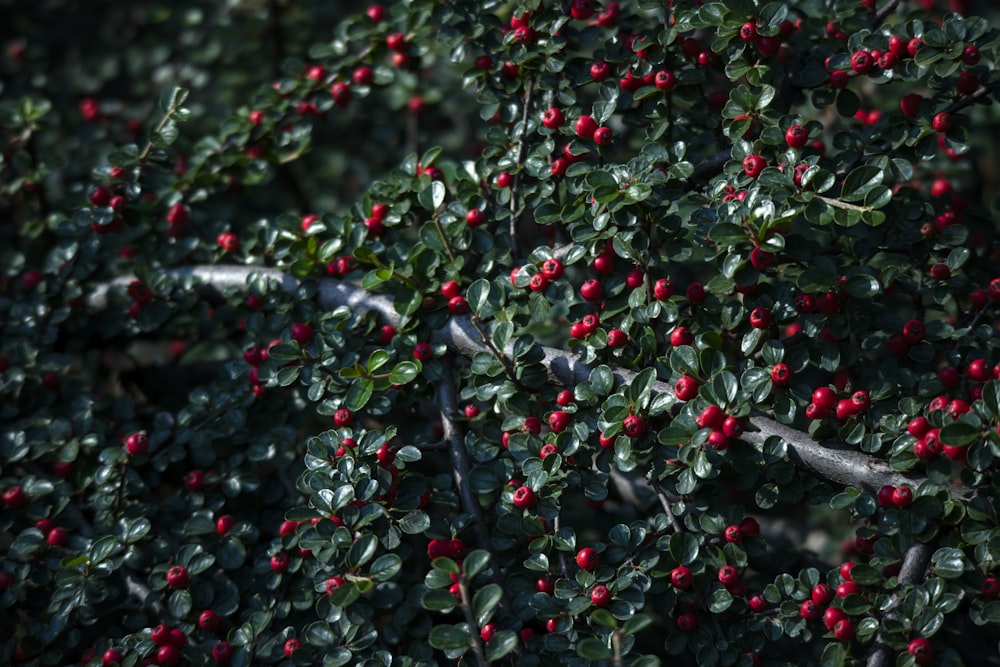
point(499, 333)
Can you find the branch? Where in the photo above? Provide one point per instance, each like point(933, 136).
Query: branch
point(883, 13)
point(915, 563)
point(832, 461)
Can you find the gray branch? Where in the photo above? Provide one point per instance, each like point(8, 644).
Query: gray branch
point(915, 563)
point(834, 462)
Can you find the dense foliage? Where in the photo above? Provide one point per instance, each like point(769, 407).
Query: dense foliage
point(454, 332)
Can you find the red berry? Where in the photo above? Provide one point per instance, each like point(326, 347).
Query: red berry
point(600, 596)
point(168, 655)
point(839, 79)
point(967, 83)
point(810, 611)
point(758, 603)
point(832, 616)
point(553, 118)
point(781, 374)
point(224, 524)
point(712, 416)
point(760, 318)
point(504, 180)
point(599, 71)
point(822, 594)
point(921, 650)
point(559, 420)
point(844, 630)
point(634, 426)
point(848, 588)
point(587, 558)
point(423, 351)
point(902, 496)
point(223, 651)
point(753, 165)
point(734, 534)
point(748, 31)
point(681, 578)
point(681, 336)
point(538, 283)
point(991, 588)
point(970, 54)
point(663, 289)
point(552, 269)
point(475, 217)
point(291, 646)
point(687, 622)
point(665, 80)
point(137, 443)
point(581, 10)
point(279, 562)
point(209, 620)
point(941, 122)
point(545, 585)
point(585, 127)
point(862, 61)
point(603, 136)
point(112, 657)
point(592, 290)
point(686, 388)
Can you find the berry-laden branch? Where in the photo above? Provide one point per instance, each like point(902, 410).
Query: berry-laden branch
point(832, 461)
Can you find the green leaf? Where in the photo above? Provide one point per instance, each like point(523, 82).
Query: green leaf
point(405, 372)
point(501, 644)
point(485, 602)
point(833, 655)
point(948, 562)
point(437, 599)
point(602, 381)
point(358, 394)
point(432, 196)
point(475, 562)
point(362, 550)
point(478, 294)
point(180, 603)
point(860, 182)
point(637, 624)
point(385, 567)
point(592, 648)
point(957, 434)
point(449, 638)
point(172, 99)
point(684, 548)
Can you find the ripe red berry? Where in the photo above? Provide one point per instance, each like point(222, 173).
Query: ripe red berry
point(734, 534)
point(423, 351)
point(209, 620)
point(753, 165)
point(587, 558)
point(839, 79)
point(681, 578)
point(603, 136)
point(967, 83)
point(291, 646)
point(781, 374)
point(663, 289)
point(538, 283)
point(681, 336)
point(223, 651)
point(301, 333)
point(687, 622)
point(137, 443)
point(810, 611)
point(921, 650)
point(585, 127)
point(848, 588)
point(748, 31)
point(796, 136)
point(592, 290)
point(686, 388)
point(475, 217)
point(970, 55)
point(112, 657)
point(458, 305)
point(822, 594)
point(279, 562)
point(599, 71)
point(990, 588)
point(224, 524)
point(832, 616)
point(844, 630)
point(177, 577)
point(862, 61)
point(343, 417)
point(902, 496)
point(168, 655)
point(553, 118)
point(712, 416)
point(552, 268)
point(758, 603)
point(760, 258)
point(941, 122)
point(760, 318)
point(634, 426)
point(665, 80)
point(581, 10)
point(600, 596)
point(559, 420)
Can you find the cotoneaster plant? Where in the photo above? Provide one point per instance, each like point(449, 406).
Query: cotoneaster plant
point(464, 332)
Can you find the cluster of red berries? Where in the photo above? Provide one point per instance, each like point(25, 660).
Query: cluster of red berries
point(722, 427)
point(825, 401)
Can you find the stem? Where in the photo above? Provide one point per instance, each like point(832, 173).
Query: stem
point(843, 204)
point(883, 13)
point(159, 126)
point(517, 167)
point(915, 563)
point(477, 642)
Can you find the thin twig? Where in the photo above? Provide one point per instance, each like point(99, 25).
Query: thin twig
point(882, 14)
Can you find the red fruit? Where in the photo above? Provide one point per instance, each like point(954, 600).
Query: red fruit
point(504, 180)
point(634, 426)
point(967, 83)
point(457, 305)
point(209, 620)
point(600, 596)
point(635, 278)
point(844, 630)
point(758, 603)
point(343, 417)
point(663, 289)
point(177, 577)
point(884, 496)
point(291, 646)
point(681, 578)
point(538, 283)
point(475, 217)
point(450, 289)
point(822, 594)
point(423, 351)
point(341, 93)
point(617, 338)
point(487, 631)
point(970, 54)
point(599, 71)
point(686, 388)
point(753, 165)
point(832, 616)
point(681, 336)
point(914, 332)
point(711, 417)
point(279, 562)
point(749, 526)
point(687, 622)
point(553, 118)
point(862, 61)
point(902, 496)
point(592, 290)
point(861, 400)
point(168, 655)
point(585, 127)
point(941, 122)
point(732, 427)
point(748, 31)
point(31, 279)
point(839, 79)
point(760, 258)
point(587, 558)
point(62, 468)
point(718, 440)
point(734, 534)
point(760, 318)
point(301, 333)
point(695, 293)
point(991, 588)
point(456, 548)
point(223, 651)
point(224, 524)
point(809, 610)
point(665, 80)
point(980, 371)
point(552, 269)
point(333, 583)
point(137, 443)
point(558, 421)
point(57, 537)
point(582, 10)
point(603, 136)
point(941, 271)
point(824, 397)
point(848, 588)
point(796, 136)
point(781, 374)
point(921, 650)
point(112, 657)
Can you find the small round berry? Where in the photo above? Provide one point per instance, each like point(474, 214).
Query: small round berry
point(687, 622)
point(587, 558)
point(682, 578)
